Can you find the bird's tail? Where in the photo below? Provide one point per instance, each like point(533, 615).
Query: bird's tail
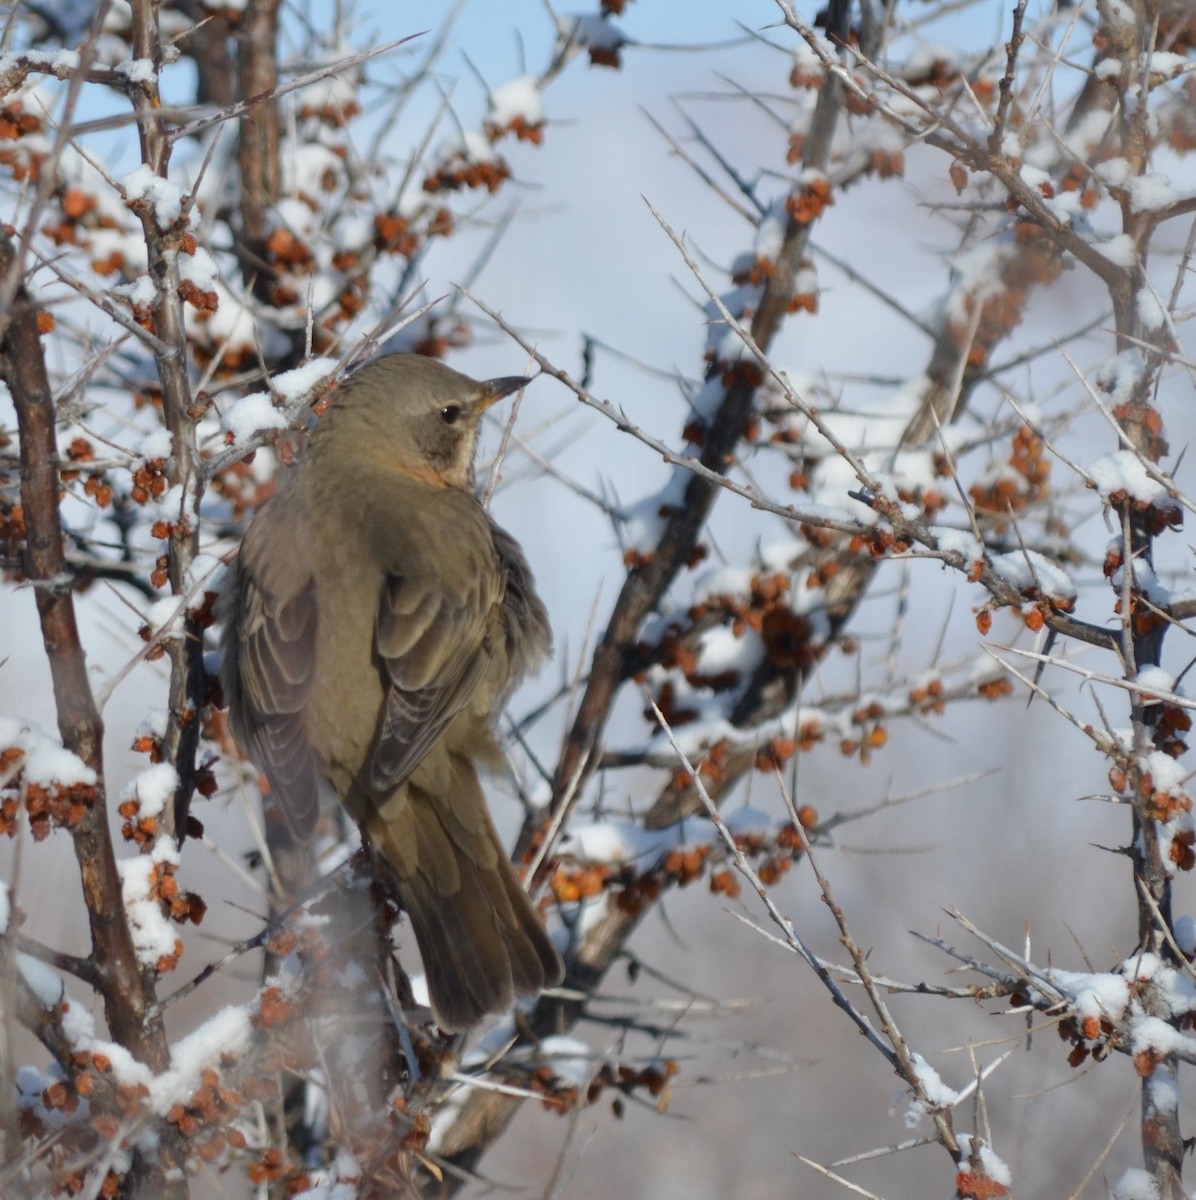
point(481, 939)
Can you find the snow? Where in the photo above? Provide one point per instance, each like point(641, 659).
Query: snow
point(251, 415)
point(1154, 1034)
point(614, 841)
point(571, 1060)
point(1136, 1184)
point(227, 1034)
point(295, 385)
point(643, 523)
point(1155, 679)
point(200, 269)
point(1120, 375)
point(472, 145)
point(926, 57)
point(1093, 994)
point(201, 574)
point(43, 980)
point(59, 62)
point(30, 1086)
point(1028, 570)
point(165, 197)
point(518, 99)
point(141, 293)
point(1108, 69)
point(1184, 929)
point(1167, 774)
point(807, 58)
point(306, 162)
point(1036, 178)
point(1163, 62)
point(937, 1092)
point(137, 70)
point(338, 1182)
point(976, 275)
point(296, 217)
point(351, 230)
point(770, 232)
point(153, 789)
point(155, 445)
point(79, 1026)
point(1175, 990)
point(337, 93)
point(958, 541)
point(164, 618)
point(990, 1163)
point(1124, 471)
point(1163, 1092)
point(1114, 172)
point(723, 343)
point(153, 935)
point(1151, 193)
point(1151, 312)
point(1119, 249)
point(719, 650)
point(748, 822)
point(47, 763)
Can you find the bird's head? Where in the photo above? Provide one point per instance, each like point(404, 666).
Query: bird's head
point(414, 413)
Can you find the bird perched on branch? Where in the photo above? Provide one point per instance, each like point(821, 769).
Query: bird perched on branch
point(375, 622)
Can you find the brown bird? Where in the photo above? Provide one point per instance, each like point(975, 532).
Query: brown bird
point(375, 622)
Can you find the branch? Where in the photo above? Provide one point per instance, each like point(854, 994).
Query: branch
point(127, 992)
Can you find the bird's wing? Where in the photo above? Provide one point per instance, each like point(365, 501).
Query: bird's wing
point(435, 642)
point(270, 655)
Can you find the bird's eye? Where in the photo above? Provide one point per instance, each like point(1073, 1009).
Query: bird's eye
point(450, 414)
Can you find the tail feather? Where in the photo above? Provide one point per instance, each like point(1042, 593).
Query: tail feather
point(481, 939)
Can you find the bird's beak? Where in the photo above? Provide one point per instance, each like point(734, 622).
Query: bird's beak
point(490, 391)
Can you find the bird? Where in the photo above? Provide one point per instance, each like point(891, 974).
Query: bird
point(375, 620)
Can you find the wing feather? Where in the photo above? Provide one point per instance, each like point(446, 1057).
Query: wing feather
point(269, 662)
point(435, 648)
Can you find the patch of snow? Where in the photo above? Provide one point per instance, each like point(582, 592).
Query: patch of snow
point(1151, 193)
point(155, 445)
point(164, 617)
point(43, 980)
point(990, 1163)
point(1136, 1184)
point(1151, 1033)
point(251, 415)
point(165, 197)
point(228, 1033)
point(570, 1059)
point(1028, 569)
point(1119, 249)
point(519, 98)
point(153, 935)
point(200, 269)
point(643, 522)
point(153, 789)
point(302, 381)
point(47, 763)
point(1124, 471)
point(137, 70)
